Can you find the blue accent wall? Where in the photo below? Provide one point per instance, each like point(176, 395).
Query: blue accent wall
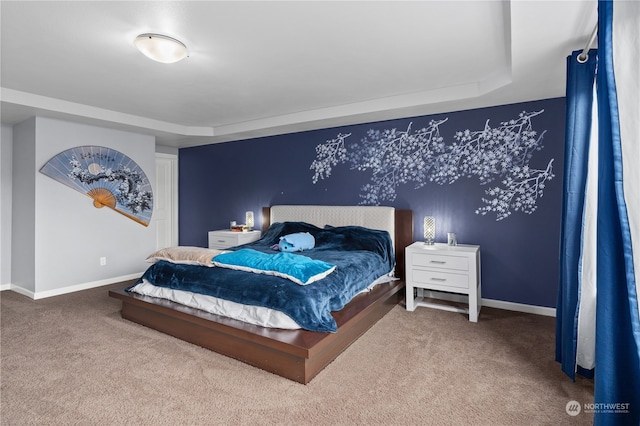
point(441, 165)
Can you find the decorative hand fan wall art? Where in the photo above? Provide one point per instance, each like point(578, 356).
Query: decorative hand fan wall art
point(108, 176)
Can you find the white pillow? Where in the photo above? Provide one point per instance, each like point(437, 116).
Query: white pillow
point(185, 255)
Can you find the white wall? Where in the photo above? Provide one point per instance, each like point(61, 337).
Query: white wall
point(161, 149)
point(23, 206)
point(58, 235)
point(6, 158)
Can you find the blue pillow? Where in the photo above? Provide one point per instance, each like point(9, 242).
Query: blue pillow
point(296, 242)
point(295, 267)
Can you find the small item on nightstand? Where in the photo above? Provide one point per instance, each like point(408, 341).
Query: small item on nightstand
point(249, 220)
point(237, 228)
point(451, 239)
point(429, 229)
point(232, 224)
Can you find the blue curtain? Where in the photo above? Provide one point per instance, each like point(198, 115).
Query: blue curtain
point(580, 85)
point(615, 267)
point(617, 372)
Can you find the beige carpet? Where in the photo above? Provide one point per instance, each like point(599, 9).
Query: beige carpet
point(72, 360)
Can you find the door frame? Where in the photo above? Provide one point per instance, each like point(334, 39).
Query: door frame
point(174, 193)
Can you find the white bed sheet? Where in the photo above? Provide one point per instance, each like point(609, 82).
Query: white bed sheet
point(256, 315)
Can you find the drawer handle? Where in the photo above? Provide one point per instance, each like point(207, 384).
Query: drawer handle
point(438, 279)
point(221, 241)
point(439, 262)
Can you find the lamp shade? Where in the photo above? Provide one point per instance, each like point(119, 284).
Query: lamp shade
point(429, 229)
point(249, 220)
point(161, 48)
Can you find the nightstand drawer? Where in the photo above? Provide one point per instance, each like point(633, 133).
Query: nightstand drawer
point(429, 260)
point(224, 239)
point(440, 279)
point(220, 241)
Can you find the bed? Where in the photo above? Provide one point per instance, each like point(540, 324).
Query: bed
point(296, 354)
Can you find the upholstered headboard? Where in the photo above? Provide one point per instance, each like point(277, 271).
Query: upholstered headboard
point(374, 217)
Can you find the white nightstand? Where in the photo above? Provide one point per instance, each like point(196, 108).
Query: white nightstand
point(444, 268)
point(225, 239)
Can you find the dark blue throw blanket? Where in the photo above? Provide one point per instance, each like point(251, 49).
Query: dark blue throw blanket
point(360, 254)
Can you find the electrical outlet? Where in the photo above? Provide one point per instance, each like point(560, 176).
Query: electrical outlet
point(103, 261)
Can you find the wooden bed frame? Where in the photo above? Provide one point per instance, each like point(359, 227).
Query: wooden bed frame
point(298, 355)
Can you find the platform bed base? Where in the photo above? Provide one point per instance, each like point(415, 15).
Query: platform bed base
point(298, 355)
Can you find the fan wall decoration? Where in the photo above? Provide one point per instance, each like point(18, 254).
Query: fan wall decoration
point(108, 176)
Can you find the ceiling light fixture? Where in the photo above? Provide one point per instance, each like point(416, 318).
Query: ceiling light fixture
point(161, 48)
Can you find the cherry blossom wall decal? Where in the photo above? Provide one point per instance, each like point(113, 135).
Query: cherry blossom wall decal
point(397, 157)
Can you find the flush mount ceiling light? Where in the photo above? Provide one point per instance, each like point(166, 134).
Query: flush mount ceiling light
point(161, 48)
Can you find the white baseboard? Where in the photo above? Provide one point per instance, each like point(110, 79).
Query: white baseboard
point(520, 307)
point(69, 289)
point(491, 303)
point(22, 291)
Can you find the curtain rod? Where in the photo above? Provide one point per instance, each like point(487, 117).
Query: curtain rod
point(584, 55)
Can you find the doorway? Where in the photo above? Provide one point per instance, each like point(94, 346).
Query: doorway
point(166, 201)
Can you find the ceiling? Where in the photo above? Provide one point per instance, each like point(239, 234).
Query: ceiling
point(269, 67)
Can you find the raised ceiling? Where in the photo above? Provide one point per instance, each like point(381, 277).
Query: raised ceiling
point(267, 67)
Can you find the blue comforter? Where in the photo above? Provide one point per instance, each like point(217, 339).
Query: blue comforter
point(361, 255)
